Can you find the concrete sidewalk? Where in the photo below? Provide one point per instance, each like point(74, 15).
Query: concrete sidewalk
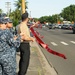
point(38, 63)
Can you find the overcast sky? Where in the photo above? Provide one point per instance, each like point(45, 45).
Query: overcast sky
point(38, 8)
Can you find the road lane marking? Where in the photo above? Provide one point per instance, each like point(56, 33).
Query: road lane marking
point(64, 43)
point(72, 42)
point(53, 43)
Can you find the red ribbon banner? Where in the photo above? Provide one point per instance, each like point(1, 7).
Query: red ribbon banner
point(39, 34)
point(45, 45)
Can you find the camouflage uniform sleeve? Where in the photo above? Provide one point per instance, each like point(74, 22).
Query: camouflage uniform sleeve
point(11, 41)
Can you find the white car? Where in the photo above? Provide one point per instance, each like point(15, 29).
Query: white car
point(59, 26)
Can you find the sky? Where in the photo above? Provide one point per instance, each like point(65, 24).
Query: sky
point(38, 8)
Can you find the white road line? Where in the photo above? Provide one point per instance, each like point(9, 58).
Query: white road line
point(64, 43)
point(72, 42)
point(53, 43)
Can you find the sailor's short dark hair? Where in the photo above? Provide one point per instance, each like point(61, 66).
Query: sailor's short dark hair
point(24, 16)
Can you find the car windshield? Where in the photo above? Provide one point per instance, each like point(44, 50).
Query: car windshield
point(50, 24)
point(65, 25)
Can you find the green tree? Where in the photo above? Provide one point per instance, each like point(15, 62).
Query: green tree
point(49, 19)
point(18, 4)
point(1, 11)
point(44, 19)
point(15, 16)
point(55, 18)
point(68, 13)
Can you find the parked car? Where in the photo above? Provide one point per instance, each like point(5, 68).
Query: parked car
point(43, 25)
point(73, 28)
point(51, 26)
point(59, 26)
point(65, 26)
point(70, 26)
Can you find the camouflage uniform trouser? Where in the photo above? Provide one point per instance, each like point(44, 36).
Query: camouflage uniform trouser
point(7, 65)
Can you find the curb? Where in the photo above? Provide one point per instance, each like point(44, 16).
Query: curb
point(48, 68)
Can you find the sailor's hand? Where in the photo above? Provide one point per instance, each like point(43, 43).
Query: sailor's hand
point(33, 39)
point(15, 37)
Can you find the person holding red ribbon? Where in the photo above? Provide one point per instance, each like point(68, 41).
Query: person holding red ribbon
point(25, 45)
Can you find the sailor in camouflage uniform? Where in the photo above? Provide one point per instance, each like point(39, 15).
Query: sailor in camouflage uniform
point(7, 42)
point(9, 25)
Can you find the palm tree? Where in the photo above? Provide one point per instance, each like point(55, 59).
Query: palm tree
point(16, 14)
point(18, 4)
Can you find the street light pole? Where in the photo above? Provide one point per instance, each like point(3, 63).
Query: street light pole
point(8, 7)
point(23, 6)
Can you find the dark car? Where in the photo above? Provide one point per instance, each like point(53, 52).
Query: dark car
point(73, 28)
point(70, 26)
point(65, 26)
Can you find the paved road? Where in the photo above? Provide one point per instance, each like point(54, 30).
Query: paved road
point(62, 41)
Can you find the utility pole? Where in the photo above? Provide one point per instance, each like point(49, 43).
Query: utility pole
point(8, 7)
point(23, 6)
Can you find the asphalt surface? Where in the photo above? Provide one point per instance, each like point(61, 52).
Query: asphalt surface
point(62, 41)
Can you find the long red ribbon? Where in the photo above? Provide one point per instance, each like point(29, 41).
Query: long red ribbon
point(39, 34)
point(45, 45)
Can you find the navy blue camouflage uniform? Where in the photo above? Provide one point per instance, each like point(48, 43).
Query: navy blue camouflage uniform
point(12, 30)
point(13, 50)
point(7, 45)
